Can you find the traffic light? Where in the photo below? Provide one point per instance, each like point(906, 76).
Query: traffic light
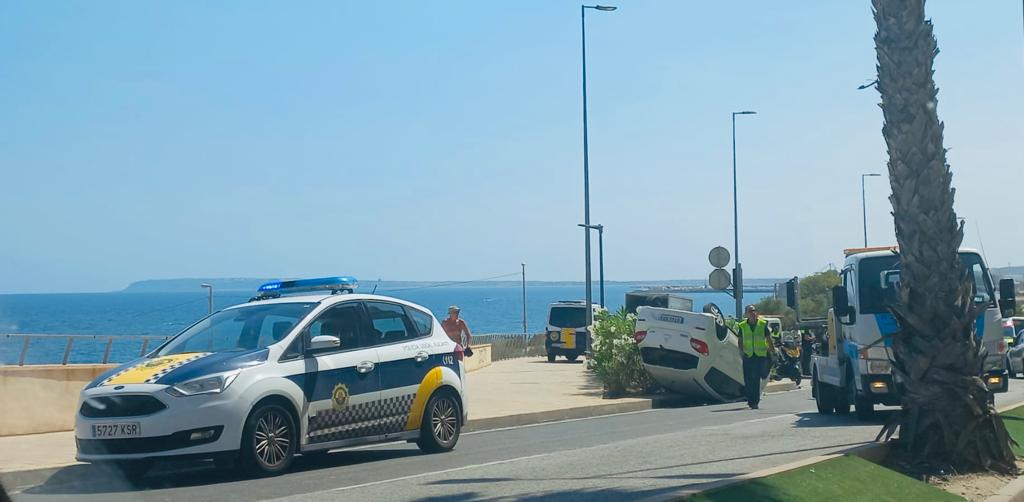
point(793, 293)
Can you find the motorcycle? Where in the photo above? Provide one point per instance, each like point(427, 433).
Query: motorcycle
point(787, 359)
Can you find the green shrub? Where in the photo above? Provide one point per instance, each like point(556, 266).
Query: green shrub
point(615, 357)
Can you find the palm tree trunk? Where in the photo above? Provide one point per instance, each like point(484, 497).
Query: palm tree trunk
point(946, 419)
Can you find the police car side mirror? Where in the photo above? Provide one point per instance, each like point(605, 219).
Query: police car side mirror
point(321, 343)
point(1007, 297)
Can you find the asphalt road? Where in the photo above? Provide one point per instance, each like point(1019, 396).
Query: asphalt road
point(645, 455)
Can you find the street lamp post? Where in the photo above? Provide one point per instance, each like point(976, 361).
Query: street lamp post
point(586, 160)
point(209, 297)
point(600, 255)
point(864, 204)
point(737, 273)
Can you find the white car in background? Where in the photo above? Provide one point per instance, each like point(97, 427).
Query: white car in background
point(279, 376)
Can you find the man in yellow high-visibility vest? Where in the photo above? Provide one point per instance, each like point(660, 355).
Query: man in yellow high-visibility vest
point(755, 344)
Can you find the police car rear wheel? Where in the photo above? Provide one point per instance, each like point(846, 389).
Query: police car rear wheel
point(441, 424)
point(269, 441)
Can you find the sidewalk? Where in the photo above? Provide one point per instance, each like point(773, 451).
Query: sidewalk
point(535, 390)
point(505, 394)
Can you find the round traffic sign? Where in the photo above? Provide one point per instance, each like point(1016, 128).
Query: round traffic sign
point(719, 257)
point(719, 279)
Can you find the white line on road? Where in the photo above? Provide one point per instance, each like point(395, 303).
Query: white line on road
point(526, 426)
point(421, 475)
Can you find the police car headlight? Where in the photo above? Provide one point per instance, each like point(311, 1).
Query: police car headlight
point(213, 384)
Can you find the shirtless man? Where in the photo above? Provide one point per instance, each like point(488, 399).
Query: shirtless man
point(455, 327)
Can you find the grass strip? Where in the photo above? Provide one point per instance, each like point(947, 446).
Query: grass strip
point(847, 478)
point(1014, 420)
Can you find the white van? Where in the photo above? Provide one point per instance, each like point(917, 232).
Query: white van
point(567, 331)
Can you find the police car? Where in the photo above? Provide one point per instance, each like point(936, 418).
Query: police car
point(299, 369)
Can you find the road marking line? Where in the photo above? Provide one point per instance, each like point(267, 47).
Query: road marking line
point(421, 475)
point(565, 421)
point(753, 420)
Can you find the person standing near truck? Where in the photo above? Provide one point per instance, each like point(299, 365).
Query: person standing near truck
point(755, 344)
point(806, 349)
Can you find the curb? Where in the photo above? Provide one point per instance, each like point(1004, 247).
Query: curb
point(541, 417)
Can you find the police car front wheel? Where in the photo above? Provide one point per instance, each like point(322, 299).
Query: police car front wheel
point(269, 441)
point(441, 424)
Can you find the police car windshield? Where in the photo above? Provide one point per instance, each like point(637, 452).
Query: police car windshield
point(568, 317)
point(240, 329)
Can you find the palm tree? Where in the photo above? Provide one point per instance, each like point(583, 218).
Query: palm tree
point(947, 420)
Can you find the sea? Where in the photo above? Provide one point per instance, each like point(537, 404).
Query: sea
point(487, 309)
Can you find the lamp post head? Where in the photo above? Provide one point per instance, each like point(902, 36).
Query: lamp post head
point(204, 285)
point(745, 112)
point(871, 174)
point(605, 8)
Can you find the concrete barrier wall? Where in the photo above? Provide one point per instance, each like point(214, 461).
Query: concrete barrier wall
point(42, 398)
point(481, 358)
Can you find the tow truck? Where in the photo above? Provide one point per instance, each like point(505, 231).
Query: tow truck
point(855, 366)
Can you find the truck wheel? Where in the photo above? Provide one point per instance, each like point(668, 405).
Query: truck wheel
point(573, 358)
point(551, 357)
point(822, 396)
point(865, 409)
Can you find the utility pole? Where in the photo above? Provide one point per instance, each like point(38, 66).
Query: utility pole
point(525, 329)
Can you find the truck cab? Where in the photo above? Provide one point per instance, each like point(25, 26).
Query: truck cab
point(855, 366)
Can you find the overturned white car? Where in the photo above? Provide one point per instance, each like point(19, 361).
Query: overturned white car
point(689, 353)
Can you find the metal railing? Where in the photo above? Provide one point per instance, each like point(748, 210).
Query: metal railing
point(512, 345)
point(114, 348)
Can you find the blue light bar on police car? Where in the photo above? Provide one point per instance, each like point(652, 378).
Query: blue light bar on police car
point(332, 284)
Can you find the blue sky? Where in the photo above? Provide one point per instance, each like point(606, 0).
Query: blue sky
point(441, 140)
